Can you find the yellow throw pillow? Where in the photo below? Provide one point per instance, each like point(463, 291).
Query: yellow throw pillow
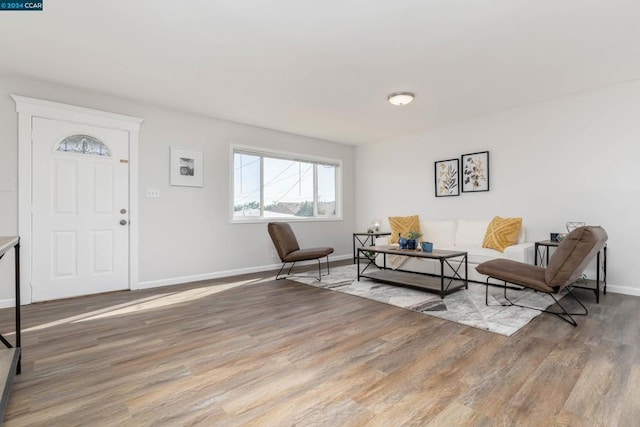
point(502, 233)
point(403, 224)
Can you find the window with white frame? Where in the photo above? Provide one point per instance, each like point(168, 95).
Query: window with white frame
point(269, 185)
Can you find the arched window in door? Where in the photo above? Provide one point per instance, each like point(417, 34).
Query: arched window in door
point(83, 144)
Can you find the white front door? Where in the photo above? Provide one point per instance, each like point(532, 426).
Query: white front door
point(80, 193)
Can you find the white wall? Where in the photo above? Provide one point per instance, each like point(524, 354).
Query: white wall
point(186, 233)
point(571, 159)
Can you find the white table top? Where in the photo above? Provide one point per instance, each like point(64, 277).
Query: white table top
point(7, 242)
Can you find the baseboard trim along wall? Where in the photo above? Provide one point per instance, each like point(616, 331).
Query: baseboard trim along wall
point(227, 273)
point(624, 290)
point(8, 302)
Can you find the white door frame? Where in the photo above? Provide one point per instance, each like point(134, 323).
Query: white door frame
point(27, 109)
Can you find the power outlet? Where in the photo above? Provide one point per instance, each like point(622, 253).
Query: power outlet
point(153, 193)
point(273, 254)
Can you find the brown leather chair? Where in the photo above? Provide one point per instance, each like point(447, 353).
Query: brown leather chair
point(566, 265)
point(289, 251)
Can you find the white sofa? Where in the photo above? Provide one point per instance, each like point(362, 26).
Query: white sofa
point(464, 235)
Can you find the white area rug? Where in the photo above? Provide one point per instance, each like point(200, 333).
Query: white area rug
point(466, 306)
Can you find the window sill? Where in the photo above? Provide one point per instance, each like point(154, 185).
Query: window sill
point(267, 220)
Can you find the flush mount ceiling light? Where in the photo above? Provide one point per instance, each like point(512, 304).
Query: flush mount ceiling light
point(400, 98)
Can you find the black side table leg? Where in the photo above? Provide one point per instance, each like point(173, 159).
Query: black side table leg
point(354, 248)
point(18, 333)
point(604, 270)
point(441, 279)
point(598, 278)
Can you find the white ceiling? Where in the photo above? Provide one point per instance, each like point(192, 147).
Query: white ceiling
point(324, 68)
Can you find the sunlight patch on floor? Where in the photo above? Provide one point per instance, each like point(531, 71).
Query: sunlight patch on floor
point(143, 304)
point(165, 300)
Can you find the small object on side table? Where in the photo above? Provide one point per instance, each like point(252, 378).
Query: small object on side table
point(572, 225)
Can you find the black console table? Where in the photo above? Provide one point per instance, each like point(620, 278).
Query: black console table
point(360, 240)
point(10, 358)
point(541, 257)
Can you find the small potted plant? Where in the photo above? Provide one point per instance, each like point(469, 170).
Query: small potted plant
point(412, 239)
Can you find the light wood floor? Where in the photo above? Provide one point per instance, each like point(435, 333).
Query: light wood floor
point(253, 351)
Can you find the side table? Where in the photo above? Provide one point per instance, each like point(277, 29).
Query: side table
point(10, 357)
point(541, 258)
point(360, 240)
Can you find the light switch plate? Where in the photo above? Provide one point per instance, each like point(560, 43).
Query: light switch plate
point(153, 193)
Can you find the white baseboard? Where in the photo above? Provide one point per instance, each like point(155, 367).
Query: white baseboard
point(226, 273)
point(624, 290)
point(6, 303)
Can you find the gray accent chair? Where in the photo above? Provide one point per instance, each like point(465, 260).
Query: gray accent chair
point(566, 265)
point(289, 251)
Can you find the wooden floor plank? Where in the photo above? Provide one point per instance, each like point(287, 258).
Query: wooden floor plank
point(254, 351)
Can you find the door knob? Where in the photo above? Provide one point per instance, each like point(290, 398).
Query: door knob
point(123, 222)
point(123, 211)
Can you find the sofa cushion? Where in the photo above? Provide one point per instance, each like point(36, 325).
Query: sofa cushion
point(522, 236)
point(478, 255)
point(470, 232)
point(440, 233)
point(523, 252)
point(501, 233)
point(402, 225)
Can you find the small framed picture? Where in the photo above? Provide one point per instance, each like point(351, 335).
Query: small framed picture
point(475, 172)
point(447, 178)
point(186, 167)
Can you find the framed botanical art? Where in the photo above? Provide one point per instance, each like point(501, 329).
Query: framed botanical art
point(447, 178)
point(186, 167)
point(475, 172)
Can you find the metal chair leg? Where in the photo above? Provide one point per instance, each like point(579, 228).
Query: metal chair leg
point(280, 271)
point(284, 264)
point(564, 314)
point(318, 278)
